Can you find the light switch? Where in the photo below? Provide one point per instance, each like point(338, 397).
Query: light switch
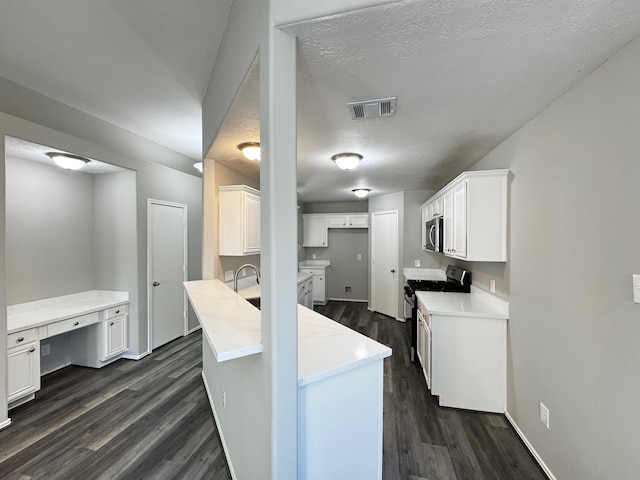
point(636, 288)
point(416, 263)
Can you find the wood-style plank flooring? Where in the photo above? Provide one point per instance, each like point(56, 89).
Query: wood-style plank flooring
point(151, 419)
point(148, 419)
point(421, 439)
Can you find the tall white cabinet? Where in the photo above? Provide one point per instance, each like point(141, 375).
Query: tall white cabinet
point(239, 220)
point(474, 211)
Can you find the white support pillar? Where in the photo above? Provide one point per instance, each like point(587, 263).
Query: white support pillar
point(279, 255)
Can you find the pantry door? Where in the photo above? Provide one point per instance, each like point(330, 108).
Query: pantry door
point(384, 263)
point(167, 269)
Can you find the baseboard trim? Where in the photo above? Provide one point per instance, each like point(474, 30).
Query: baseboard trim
point(349, 300)
point(136, 357)
point(189, 332)
point(532, 450)
point(5, 424)
point(215, 418)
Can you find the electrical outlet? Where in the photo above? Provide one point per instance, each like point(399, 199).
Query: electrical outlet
point(416, 263)
point(492, 286)
point(544, 415)
point(45, 350)
point(313, 256)
point(347, 289)
point(224, 399)
point(228, 275)
point(359, 256)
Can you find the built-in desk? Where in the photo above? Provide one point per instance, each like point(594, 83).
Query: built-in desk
point(98, 319)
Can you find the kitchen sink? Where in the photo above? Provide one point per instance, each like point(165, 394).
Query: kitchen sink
point(254, 301)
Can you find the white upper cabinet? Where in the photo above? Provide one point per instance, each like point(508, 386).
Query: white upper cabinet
point(348, 220)
point(314, 230)
point(474, 207)
point(239, 220)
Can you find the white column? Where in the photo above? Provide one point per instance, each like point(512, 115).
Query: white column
point(279, 255)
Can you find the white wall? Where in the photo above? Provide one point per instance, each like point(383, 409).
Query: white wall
point(50, 231)
point(574, 242)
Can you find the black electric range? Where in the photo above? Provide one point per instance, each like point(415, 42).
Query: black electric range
point(458, 280)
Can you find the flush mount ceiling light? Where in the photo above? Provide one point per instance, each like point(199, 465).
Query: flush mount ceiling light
point(347, 161)
point(67, 160)
point(198, 166)
point(361, 192)
point(251, 150)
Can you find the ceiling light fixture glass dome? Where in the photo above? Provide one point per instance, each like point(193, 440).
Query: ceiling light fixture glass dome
point(198, 166)
point(67, 160)
point(347, 161)
point(361, 192)
point(251, 150)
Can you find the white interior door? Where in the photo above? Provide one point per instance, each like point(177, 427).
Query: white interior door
point(384, 262)
point(167, 256)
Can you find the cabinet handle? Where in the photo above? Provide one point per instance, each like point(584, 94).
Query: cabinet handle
point(32, 349)
point(75, 324)
point(111, 323)
point(21, 339)
point(117, 312)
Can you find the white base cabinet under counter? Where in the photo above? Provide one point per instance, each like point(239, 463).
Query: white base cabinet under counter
point(96, 322)
point(468, 358)
point(23, 366)
point(104, 342)
point(320, 271)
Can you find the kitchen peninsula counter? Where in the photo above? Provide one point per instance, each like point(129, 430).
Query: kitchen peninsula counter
point(232, 327)
point(340, 389)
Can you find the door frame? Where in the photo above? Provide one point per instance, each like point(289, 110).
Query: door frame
point(371, 269)
point(185, 276)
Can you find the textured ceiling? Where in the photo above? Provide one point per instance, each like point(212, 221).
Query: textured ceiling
point(467, 74)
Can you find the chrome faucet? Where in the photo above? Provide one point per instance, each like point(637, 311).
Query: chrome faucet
point(235, 276)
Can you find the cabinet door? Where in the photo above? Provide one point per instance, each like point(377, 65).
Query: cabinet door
point(447, 209)
point(420, 339)
point(338, 221)
point(359, 221)
point(23, 370)
point(314, 231)
point(252, 224)
point(318, 289)
point(115, 336)
point(460, 220)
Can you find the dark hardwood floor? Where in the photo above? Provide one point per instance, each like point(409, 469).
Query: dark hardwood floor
point(421, 439)
point(151, 419)
point(148, 419)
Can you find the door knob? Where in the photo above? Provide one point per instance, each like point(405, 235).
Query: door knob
point(393, 270)
point(155, 284)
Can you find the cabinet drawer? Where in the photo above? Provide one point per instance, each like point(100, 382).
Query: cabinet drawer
point(22, 337)
point(72, 324)
point(116, 311)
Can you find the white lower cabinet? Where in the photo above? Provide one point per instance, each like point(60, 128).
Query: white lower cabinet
point(424, 347)
point(115, 337)
point(305, 293)
point(320, 283)
point(23, 371)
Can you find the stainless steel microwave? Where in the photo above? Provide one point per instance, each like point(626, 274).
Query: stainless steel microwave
point(434, 235)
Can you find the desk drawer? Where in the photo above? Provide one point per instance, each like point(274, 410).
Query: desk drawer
point(72, 324)
point(22, 337)
point(116, 311)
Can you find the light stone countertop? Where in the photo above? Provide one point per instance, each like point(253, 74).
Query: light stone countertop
point(22, 316)
point(478, 303)
point(232, 327)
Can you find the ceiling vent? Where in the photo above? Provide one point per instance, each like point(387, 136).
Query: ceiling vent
point(382, 107)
